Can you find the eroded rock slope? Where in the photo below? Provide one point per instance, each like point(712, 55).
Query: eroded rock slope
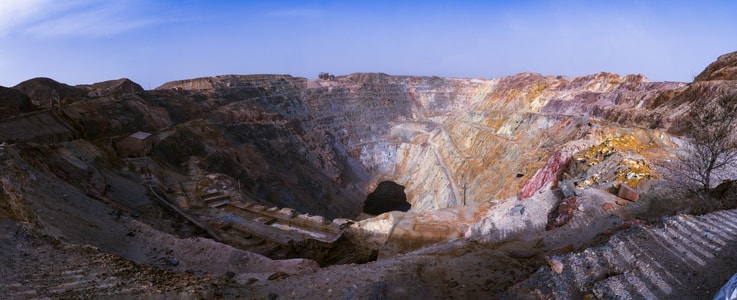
point(480, 160)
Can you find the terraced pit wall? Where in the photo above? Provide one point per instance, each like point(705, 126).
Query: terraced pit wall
point(321, 146)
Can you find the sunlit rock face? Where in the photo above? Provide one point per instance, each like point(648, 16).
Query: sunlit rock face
point(321, 146)
point(477, 159)
point(724, 68)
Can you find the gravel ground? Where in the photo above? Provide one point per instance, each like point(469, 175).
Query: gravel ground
point(684, 257)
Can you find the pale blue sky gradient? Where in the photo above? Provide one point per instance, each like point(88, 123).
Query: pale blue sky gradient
point(152, 42)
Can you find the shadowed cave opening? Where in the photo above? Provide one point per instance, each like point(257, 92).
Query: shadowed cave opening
point(388, 196)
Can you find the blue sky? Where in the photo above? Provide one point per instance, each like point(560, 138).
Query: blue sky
point(155, 41)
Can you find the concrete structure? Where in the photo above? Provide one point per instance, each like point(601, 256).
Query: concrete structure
point(136, 145)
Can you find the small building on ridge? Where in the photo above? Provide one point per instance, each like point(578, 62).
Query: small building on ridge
point(136, 145)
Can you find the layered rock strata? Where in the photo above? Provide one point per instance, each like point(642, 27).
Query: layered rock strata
point(450, 142)
point(462, 148)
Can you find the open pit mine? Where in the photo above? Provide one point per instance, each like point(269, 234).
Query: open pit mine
point(363, 186)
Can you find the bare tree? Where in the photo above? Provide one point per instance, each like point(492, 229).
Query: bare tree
point(711, 151)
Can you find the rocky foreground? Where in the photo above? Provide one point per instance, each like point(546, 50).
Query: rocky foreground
point(684, 256)
point(253, 186)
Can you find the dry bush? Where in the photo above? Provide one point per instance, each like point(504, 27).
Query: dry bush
point(707, 158)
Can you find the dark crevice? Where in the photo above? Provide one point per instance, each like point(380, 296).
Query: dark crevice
point(388, 196)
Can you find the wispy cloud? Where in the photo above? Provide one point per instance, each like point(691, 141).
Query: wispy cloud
point(75, 18)
point(97, 21)
point(14, 13)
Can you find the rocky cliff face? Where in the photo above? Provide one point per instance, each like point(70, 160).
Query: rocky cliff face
point(450, 142)
point(724, 68)
point(321, 146)
point(470, 153)
point(13, 102)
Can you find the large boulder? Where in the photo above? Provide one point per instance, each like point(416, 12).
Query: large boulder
point(562, 214)
point(627, 192)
